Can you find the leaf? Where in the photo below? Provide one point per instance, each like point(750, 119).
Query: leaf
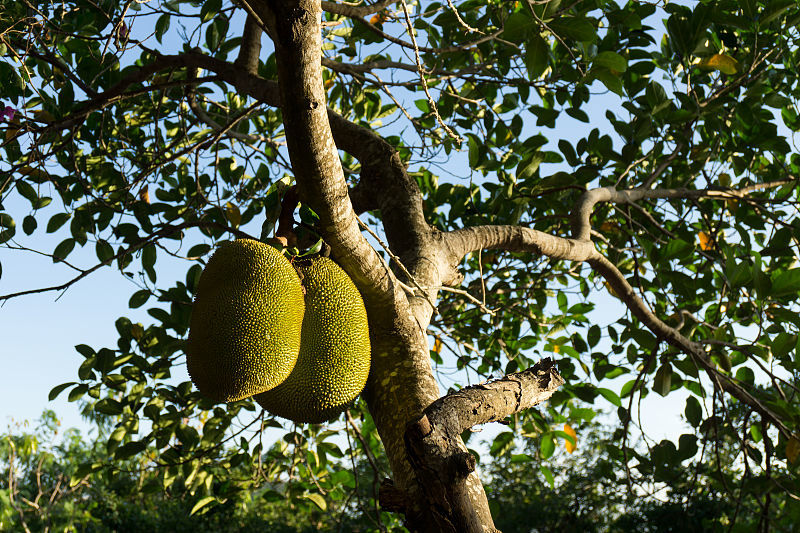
point(474, 151)
point(162, 25)
point(610, 395)
point(663, 381)
point(318, 500)
point(202, 502)
point(721, 62)
point(548, 475)
point(58, 389)
point(786, 283)
point(104, 251)
point(517, 27)
point(705, 240)
point(29, 224)
point(577, 28)
point(793, 449)
point(537, 55)
point(570, 446)
point(63, 250)
point(56, 221)
point(129, 449)
point(233, 214)
point(693, 411)
point(612, 61)
point(547, 446)
point(210, 9)
point(139, 298)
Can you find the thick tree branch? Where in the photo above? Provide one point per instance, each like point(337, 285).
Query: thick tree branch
point(437, 453)
point(250, 49)
point(356, 11)
point(460, 242)
point(312, 150)
point(518, 239)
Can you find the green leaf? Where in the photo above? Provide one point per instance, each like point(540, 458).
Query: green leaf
point(577, 28)
point(612, 81)
point(108, 406)
point(139, 298)
point(502, 443)
point(56, 221)
point(662, 383)
point(29, 224)
point(518, 27)
point(474, 151)
point(537, 56)
point(58, 389)
point(129, 449)
point(162, 25)
point(210, 9)
point(693, 411)
point(610, 395)
point(786, 283)
point(547, 445)
point(63, 250)
point(548, 475)
point(611, 60)
point(318, 500)
point(202, 502)
point(104, 251)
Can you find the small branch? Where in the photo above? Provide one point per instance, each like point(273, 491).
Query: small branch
point(583, 212)
point(422, 79)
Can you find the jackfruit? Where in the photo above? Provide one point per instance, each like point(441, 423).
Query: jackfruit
point(334, 359)
point(244, 333)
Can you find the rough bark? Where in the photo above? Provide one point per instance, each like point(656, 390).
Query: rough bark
point(439, 457)
point(401, 382)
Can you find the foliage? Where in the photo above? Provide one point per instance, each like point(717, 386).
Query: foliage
point(37, 494)
point(130, 134)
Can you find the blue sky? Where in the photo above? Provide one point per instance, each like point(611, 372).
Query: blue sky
point(39, 331)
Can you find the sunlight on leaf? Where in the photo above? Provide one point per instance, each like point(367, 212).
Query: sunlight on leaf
point(721, 62)
point(570, 446)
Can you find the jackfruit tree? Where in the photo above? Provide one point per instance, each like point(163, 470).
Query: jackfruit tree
point(570, 204)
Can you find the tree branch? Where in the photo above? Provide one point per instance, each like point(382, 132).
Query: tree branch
point(583, 212)
point(355, 11)
point(437, 453)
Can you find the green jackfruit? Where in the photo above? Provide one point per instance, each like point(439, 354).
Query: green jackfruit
point(334, 359)
point(244, 335)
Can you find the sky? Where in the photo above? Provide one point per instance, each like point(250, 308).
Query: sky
point(38, 332)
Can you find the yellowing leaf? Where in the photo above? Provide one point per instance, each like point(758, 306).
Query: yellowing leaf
point(706, 242)
point(437, 346)
point(567, 444)
point(556, 348)
point(611, 290)
point(609, 226)
point(137, 331)
point(721, 62)
point(793, 449)
point(232, 214)
point(144, 194)
point(318, 500)
point(725, 180)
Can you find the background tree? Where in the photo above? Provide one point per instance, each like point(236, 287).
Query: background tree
point(162, 127)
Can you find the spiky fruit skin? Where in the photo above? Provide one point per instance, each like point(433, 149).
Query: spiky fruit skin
point(334, 360)
point(244, 335)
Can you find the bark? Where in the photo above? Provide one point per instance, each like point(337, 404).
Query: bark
point(441, 461)
point(401, 382)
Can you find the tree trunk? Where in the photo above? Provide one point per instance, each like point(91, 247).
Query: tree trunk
point(401, 390)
